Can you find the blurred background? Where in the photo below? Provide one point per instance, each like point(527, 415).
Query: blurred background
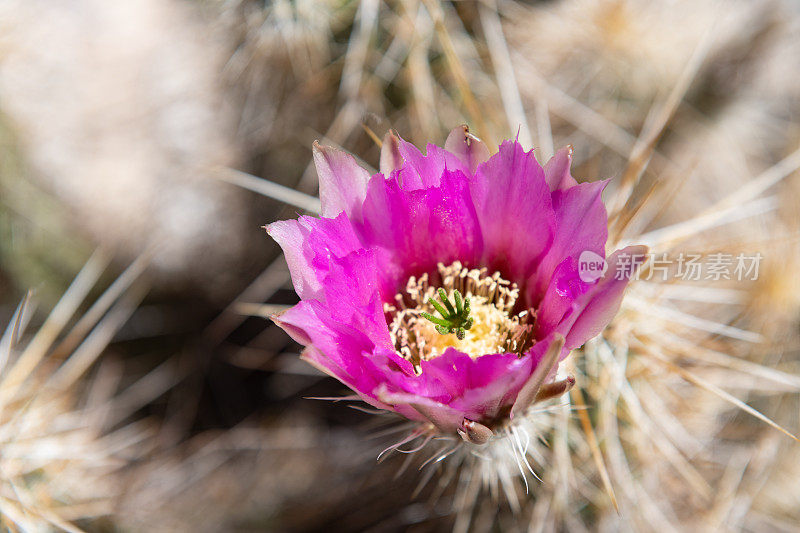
point(144, 144)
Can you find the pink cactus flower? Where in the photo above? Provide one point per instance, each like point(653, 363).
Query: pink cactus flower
point(447, 287)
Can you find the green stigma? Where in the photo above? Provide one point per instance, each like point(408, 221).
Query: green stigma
point(455, 316)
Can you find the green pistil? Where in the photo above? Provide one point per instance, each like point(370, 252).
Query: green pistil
point(455, 316)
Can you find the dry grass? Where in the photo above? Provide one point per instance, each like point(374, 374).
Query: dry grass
point(67, 433)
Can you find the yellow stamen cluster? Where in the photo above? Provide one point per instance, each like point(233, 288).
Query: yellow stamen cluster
point(485, 336)
point(494, 329)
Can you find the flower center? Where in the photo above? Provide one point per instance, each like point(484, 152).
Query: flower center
point(492, 328)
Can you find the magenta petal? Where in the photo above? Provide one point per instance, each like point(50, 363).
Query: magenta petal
point(455, 372)
point(290, 236)
point(391, 159)
point(477, 388)
point(487, 402)
point(339, 349)
point(308, 244)
point(595, 309)
point(445, 418)
point(465, 372)
point(538, 351)
point(309, 322)
point(564, 288)
point(556, 171)
point(342, 182)
point(420, 171)
point(413, 231)
point(318, 360)
point(352, 294)
point(515, 211)
point(582, 225)
point(467, 148)
point(401, 370)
